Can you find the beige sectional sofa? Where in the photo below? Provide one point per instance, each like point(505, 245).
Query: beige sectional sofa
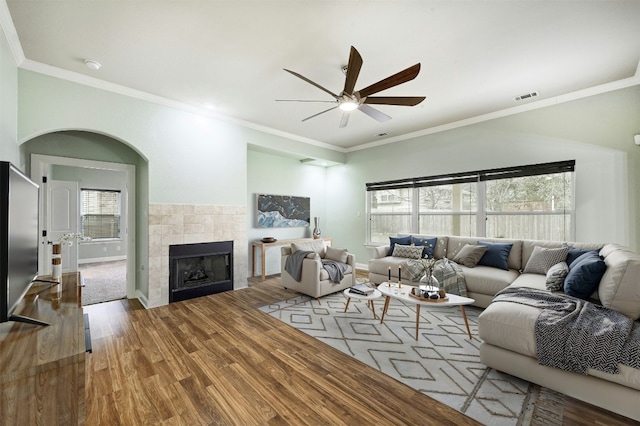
point(507, 329)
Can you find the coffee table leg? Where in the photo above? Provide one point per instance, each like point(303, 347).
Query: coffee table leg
point(384, 310)
point(417, 319)
point(464, 315)
point(347, 305)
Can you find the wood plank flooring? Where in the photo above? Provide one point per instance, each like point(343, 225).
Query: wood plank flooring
point(217, 360)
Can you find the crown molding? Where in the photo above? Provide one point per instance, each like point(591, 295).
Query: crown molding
point(6, 22)
point(543, 103)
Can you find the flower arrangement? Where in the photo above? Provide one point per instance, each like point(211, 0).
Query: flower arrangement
point(67, 239)
point(428, 263)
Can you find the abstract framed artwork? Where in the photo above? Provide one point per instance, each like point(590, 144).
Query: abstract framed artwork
point(283, 211)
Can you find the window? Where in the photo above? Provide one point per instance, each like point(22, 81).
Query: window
point(533, 202)
point(100, 213)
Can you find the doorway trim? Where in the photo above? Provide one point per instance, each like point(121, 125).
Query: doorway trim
point(41, 166)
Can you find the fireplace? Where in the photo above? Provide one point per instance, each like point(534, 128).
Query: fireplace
point(200, 269)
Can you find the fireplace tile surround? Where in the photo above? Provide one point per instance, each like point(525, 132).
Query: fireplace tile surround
point(192, 223)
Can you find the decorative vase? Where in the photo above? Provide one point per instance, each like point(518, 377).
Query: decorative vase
point(56, 268)
point(429, 283)
point(316, 229)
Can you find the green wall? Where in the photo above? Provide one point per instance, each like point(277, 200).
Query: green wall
point(280, 175)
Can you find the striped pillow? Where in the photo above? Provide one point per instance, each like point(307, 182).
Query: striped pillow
point(410, 252)
point(544, 258)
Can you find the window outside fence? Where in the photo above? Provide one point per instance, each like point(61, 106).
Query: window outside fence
point(100, 213)
point(528, 202)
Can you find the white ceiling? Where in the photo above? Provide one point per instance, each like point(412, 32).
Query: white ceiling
point(475, 55)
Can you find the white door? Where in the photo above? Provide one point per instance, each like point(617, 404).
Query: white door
point(62, 218)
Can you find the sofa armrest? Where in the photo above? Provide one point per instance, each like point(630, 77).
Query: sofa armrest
point(380, 252)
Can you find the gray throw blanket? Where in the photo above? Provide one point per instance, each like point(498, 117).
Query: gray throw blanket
point(450, 276)
point(335, 269)
point(293, 264)
point(575, 335)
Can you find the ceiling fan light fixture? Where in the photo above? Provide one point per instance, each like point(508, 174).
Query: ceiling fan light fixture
point(348, 106)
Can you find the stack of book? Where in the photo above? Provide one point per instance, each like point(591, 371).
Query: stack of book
point(361, 290)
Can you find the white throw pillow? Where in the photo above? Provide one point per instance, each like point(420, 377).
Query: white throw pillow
point(339, 255)
point(316, 246)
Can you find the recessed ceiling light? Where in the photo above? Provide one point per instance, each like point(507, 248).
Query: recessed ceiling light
point(92, 65)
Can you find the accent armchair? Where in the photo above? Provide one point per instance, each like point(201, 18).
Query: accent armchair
point(315, 280)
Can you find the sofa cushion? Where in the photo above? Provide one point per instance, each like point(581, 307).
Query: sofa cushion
point(429, 245)
point(514, 260)
point(408, 252)
point(398, 240)
point(584, 275)
point(544, 258)
point(469, 255)
point(531, 280)
point(496, 255)
point(556, 275)
point(339, 255)
point(316, 245)
point(619, 287)
point(510, 326)
point(381, 266)
point(487, 280)
point(324, 275)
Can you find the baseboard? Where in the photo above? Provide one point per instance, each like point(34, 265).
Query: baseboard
point(143, 299)
point(362, 266)
point(101, 259)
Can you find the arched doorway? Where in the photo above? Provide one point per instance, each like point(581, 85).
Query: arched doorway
point(79, 157)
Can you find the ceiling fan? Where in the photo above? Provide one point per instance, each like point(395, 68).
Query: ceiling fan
point(349, 100)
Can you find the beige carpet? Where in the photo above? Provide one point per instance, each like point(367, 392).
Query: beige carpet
point(104, 281)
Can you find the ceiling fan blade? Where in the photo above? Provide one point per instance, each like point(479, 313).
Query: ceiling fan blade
point(303, 100)
point(322, 112)
point(374, 113)
point(394, 100)
point(394, 80)
point(311, 82)
point(345, 119)
point(353, 70)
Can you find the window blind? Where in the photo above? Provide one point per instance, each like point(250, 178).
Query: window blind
point(475, 176)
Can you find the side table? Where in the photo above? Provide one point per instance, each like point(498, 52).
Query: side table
point(368, 297)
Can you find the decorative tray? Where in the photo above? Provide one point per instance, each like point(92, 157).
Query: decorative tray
point(269, 240)
point(426, 299)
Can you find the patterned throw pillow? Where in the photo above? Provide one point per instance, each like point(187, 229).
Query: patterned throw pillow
point(556, 275)
point(544, 258)
point(410, 252)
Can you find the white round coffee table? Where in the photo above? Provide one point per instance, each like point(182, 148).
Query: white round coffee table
point(368, 297)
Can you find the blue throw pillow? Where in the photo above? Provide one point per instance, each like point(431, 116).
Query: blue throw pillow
point(575, 253)
point(496, 255)
point(584, 275)
point(428, 243)
point(405, 241)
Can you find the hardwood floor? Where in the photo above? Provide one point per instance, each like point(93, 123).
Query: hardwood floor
point(218, 360)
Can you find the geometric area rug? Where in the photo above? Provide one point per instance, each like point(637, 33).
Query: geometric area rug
point(443, 363)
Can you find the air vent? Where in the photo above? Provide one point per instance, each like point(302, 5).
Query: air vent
point(526, 96)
